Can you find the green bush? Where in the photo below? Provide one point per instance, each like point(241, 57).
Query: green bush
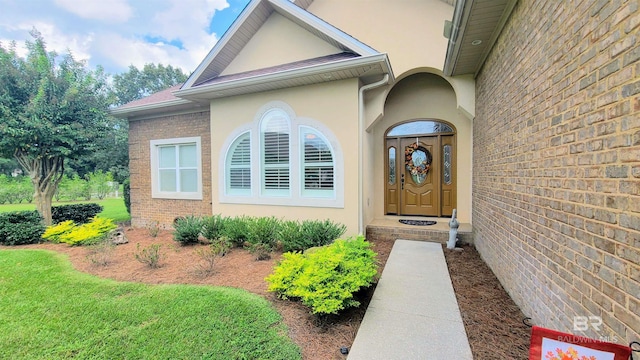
point(289, 234)
point(263, 230)
point(213, 227)
point(126, 193)
point(71, 188)
point(326, 279)
point(15, 190)
point(187, 229)
point(20, 227)
point(79, 213)
point(236, 229)
point(310, 233)
point(90, 233)
point(150, 255)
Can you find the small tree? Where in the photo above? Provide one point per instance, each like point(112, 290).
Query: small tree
point(51, 108)
point(100, 183)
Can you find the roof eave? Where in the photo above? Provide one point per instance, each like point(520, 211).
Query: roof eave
point(216, 90)
point(147, 109)
point(464, 11)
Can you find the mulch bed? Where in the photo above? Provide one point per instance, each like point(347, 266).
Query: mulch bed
point(492, 321)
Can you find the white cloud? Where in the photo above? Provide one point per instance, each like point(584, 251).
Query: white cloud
point(171, 32)
point(55, 40)
point(111, 10)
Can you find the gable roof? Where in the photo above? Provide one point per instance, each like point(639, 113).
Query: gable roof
point(356, 60)
point(249, 22)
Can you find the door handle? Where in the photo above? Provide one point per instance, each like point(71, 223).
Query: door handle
point(402, 182)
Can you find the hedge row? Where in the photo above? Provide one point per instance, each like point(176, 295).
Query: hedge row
point(268, 232)
point(26, 227)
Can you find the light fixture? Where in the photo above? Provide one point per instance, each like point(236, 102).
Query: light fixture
point(476, 42)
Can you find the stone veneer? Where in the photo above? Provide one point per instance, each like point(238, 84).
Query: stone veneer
point(145, 209)
point(556, 164)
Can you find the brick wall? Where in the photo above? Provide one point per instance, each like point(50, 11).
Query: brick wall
point(144, 209)
point(556, 186)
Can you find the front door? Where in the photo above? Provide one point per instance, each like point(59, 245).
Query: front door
point(420, 169)
point(418, 184)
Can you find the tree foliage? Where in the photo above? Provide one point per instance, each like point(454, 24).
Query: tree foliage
point(136, 84)
point(52, 108)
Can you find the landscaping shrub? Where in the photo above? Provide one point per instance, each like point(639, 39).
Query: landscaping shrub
point(70, 233)
point(187, 229)
point(263, 230)
point(290, 234)
point(213, 227)
point(100, 253)
point(209, 255)
point(150, 255)
point(153, 228)
point(20, 227)
point(79, 213)
point(15, 190)
point(326, 279)
point(126, 193)
point(260, 251)
point(236, 229)
point(54, 232)
point(309, 233)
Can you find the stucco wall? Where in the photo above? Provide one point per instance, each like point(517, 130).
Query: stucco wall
point(409, 31)
point(333, 104)
point(144, 208)
point(279, 41)
point(423, 96)
point(556, 170)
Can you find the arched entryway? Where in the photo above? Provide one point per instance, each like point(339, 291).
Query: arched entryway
point(420, 168)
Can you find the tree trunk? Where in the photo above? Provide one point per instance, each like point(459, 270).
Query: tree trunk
point(43, 205)
point(45, 174)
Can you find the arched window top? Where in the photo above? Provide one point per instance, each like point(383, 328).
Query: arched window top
point(275, 120)
point(282, 159)
point(419, 127)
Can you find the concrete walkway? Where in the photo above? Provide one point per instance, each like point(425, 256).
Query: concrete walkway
point(413, 313)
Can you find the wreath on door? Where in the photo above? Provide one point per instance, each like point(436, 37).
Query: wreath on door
point(417, 163)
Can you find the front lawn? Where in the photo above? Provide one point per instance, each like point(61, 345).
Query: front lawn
point(49, 310)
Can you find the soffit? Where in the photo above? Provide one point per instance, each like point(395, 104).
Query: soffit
point(313, 71)
point(477, 21)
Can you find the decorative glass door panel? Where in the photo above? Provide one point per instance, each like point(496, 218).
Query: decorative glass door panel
point(420, 169)
point(419, 187)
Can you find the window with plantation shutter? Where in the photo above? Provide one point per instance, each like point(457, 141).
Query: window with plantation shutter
point(317, 163)
point(239, 166)
point(282, 159)
point(275, 153)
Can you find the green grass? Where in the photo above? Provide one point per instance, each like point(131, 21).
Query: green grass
point(114, 208)
point(50, 311)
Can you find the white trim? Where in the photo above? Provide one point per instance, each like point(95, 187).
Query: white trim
point(295, 196)
point(155, 180)
point(322, 26)
point(221, 44)
point(152, 106)
point(312, 70)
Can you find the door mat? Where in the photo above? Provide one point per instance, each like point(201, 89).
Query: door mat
point(418, 222)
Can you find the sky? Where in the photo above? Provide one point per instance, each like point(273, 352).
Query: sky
point(119, 33)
